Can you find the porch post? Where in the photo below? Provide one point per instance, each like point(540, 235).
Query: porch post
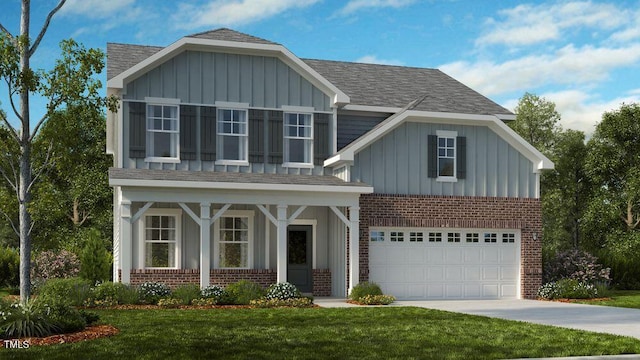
point(205, 244)
point(125, 239)
point(282, 244)
point(354, 247)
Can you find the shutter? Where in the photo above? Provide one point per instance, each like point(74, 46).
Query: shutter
point(321, 138)
point(256, 136)
point(432, 156)
point(137, 130)
point(461, 157)
point(208, 133)
point(188, 132)
point(276, 137)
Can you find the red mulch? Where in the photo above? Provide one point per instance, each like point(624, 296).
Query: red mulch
point(90, 333)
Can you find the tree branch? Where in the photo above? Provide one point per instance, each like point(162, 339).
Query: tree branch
point(13, 183)
point(13, 226)
point(4, 30)
point(42, 120)
point(44, 27)
point(12, 130)
point(45, 164)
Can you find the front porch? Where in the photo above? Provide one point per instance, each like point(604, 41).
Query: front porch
point(168, 230)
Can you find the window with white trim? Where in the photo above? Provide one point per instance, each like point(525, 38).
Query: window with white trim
point(472, 237)
point(435, 237)
point(446, 237)
point(446, 155)
point(490, 237)
point(453, 237)
point(232, 135)
point(163, 132)
point(161, 233)
point(376, 236)
point(416, 236)
point(298, 139)
point(508, 237)
point(396, 236)
point(234, 240)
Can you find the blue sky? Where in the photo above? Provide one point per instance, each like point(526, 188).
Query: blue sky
point(582, 55)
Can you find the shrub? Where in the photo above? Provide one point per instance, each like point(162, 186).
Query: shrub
point(49, 264)
point(204, 302)
point(575, 264)
point(151, 292)
point(95, 261)
point(17, 321)
point(549, 291)
point(110, 294)
point(66, 318)
point(568, 289)
point(242, 292)
point(216, 292)
point(169, 303)
point(301, 302)
point(89, 317)
point(376, 300)
point(363, 289)
point(282, 291)
point(186, 293)
point(71, 291)
point(9, 267)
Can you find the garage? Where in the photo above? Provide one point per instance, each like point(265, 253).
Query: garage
point(417, 263)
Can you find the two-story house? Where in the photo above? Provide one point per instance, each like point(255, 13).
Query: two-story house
point(235, 159)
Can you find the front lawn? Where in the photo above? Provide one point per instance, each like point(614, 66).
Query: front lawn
point(373, 333)
point(618, 298)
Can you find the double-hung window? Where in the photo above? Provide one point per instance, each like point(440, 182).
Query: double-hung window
point(446, 155)
point(161, 234)
point(163, 130)
point(298, 139)
point(232, 135)
point(234, 236)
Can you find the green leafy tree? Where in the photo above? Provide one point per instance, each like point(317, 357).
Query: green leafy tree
point(95, 260)
point(70, 81)
point(537, 121)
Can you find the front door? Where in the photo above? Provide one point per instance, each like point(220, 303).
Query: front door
point(299, 263)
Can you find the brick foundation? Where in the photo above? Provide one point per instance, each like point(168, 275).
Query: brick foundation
point(458, 212)
point(321, 282)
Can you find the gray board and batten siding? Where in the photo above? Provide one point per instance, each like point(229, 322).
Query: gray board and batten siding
point(397, 163)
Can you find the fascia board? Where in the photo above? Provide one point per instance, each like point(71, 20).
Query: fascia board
point(279, 51)
point(540, 162)
point(239, 186)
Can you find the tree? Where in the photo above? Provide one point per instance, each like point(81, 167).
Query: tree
point(537, 121)
point(69, 82)
point(95, 262)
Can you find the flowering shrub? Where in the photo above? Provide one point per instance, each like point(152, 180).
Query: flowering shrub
point(169, 303)
point(282, 291)
point(568, 289)
point(17, 320)
point(363, 289)
point(216, 292)
point(301, 302)
point(575, 264)
point(50, 264)
point(204, 302)
point(376, 300)
point(151, 292)
point(549, 291)
point(109, 294)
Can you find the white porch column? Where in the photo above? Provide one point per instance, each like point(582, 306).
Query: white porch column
point(354, 247)
point(282, 244)
point(205, 244)
point(125, 241)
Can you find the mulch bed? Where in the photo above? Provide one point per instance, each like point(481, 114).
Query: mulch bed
point(595, 300)
point(90, 333)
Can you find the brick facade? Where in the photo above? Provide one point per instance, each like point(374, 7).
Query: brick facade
point(458, 212)
point(321, 282)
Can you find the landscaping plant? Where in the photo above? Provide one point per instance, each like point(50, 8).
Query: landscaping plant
point(152, 292)
point(9, 267)
point(95, 261)
point(185, 294)
point(54, 264)
point(71, 291)
point(363, 289)
point(282, 291)
point(242, 292)
point(24, 320)
point(217, 293)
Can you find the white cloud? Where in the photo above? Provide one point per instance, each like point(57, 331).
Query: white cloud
point(95, 9)
point(372, 59)
point(233, 12)
point(568, 65)
point(357, 5)
point(531, 24)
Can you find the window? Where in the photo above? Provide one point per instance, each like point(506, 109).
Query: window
point(472, 237)
point(416, 236)
point(376, 236)
point(435, 237)
point(161, 233)
point(163, 132)
point(234, 233)
point(446, 155)
point(508, 238)
point(298, 138)
point(453, 237)
point(490, 237)
point(396, 236)
point(233, 139)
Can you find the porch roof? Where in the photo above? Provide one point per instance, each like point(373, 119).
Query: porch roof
point(233, 180)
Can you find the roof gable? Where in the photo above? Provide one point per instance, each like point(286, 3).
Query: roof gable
point(225, 34)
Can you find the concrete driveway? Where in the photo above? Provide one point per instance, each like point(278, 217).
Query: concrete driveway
point(603, 319)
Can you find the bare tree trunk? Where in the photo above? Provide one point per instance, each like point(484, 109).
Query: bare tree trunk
point(24, 191)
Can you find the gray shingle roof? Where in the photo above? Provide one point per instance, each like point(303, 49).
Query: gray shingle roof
point(224, 34)
point(229, 177)
point(121, 57)
point(397, 86)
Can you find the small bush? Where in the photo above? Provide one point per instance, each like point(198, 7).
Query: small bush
point(568, 289)
point(275, 302)
point(95, 261)
point(9, 267)
point(242, 292)
point(110, 294)
point(49, 265)
point(282, 291)
point(376, 300)
point(186, 293)
point(204, 302)
point(71, 291)
point(151, 292)
point(89, 317)
point(216, 292)
point(549, 291)
point(363, 289)
point(577, 265)
point(66, 318)
point(17, 321)
point(169, 303)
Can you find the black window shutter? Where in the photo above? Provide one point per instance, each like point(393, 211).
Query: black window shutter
point(276, 137)
point(461, 157)
point(188, 132)
point(207, 133)
point(256, 136)
point(321, 138)
point(432, 156)
point(137, 130)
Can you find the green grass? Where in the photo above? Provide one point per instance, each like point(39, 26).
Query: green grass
point(3, 292)
point(371, 333)
point(619, 298)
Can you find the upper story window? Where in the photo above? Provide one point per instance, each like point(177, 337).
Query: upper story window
point(232, 136)
point(298, 139)
point(163, 130)
point(447, 158)
point(446, 155)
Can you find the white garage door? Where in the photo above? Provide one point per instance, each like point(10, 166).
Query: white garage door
point(445, 263)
